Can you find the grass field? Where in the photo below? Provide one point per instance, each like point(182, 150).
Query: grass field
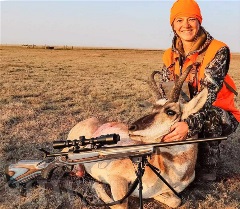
point(44, 93)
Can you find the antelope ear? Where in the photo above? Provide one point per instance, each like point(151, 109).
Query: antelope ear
point(195, 104)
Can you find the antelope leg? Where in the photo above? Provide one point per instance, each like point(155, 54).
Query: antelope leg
point(119, 187)
point(169, 199)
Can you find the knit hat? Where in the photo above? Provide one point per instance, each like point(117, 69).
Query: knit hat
point(185, 8)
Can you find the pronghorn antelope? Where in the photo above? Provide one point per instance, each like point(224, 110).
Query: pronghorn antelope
point(176, 163)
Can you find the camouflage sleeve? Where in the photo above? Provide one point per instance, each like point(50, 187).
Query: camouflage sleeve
point(215, 72)
point(165, 74)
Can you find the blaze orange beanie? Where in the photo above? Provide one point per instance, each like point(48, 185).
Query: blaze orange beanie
point(185, 8)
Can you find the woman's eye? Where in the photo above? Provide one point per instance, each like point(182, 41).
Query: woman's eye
point(192, 19)
point(170, 112)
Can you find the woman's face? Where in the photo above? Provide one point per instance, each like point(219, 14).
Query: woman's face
point(186, 28)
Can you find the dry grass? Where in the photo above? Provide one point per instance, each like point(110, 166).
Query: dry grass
point(44, 93)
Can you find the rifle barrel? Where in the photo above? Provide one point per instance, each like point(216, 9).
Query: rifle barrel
point(165, 144)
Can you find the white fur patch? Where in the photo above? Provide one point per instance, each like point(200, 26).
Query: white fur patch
point(161, 101)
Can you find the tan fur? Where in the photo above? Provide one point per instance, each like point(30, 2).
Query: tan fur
point(176, 163)
point(87, 128)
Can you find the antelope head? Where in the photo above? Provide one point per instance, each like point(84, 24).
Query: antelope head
point(167, 111)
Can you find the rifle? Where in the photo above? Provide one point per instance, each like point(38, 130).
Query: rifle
point(83, 150)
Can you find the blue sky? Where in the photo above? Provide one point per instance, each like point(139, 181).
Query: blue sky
point(127, 24)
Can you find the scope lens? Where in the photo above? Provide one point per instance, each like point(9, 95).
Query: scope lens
point(62, 144)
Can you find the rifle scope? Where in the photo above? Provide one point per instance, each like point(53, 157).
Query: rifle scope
point(108, 139)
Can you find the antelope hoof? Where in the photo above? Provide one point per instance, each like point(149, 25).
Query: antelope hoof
point(169, 199)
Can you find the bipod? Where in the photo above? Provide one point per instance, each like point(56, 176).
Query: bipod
point(142, 162)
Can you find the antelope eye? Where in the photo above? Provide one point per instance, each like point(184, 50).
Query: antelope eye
point(170, 112)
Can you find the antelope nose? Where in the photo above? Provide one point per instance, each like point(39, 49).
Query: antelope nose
point(133, 127)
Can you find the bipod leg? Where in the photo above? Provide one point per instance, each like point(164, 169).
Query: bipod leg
point(140, 172)
point(157, 172)
point(141, 161)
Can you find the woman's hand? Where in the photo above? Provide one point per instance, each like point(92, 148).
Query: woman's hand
point(178, 132)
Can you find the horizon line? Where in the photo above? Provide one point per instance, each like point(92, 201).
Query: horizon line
point(68, 47)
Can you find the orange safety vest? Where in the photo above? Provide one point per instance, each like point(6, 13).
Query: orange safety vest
point(225, 97)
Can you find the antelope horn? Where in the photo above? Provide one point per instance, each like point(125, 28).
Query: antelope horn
point(158, 90)
point(175, 93)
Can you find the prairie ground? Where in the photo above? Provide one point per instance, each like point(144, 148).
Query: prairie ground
point(44, 93)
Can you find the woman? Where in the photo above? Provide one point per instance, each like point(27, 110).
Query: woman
point(193, 44)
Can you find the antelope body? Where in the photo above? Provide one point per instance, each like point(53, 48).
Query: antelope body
point(176, 163)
